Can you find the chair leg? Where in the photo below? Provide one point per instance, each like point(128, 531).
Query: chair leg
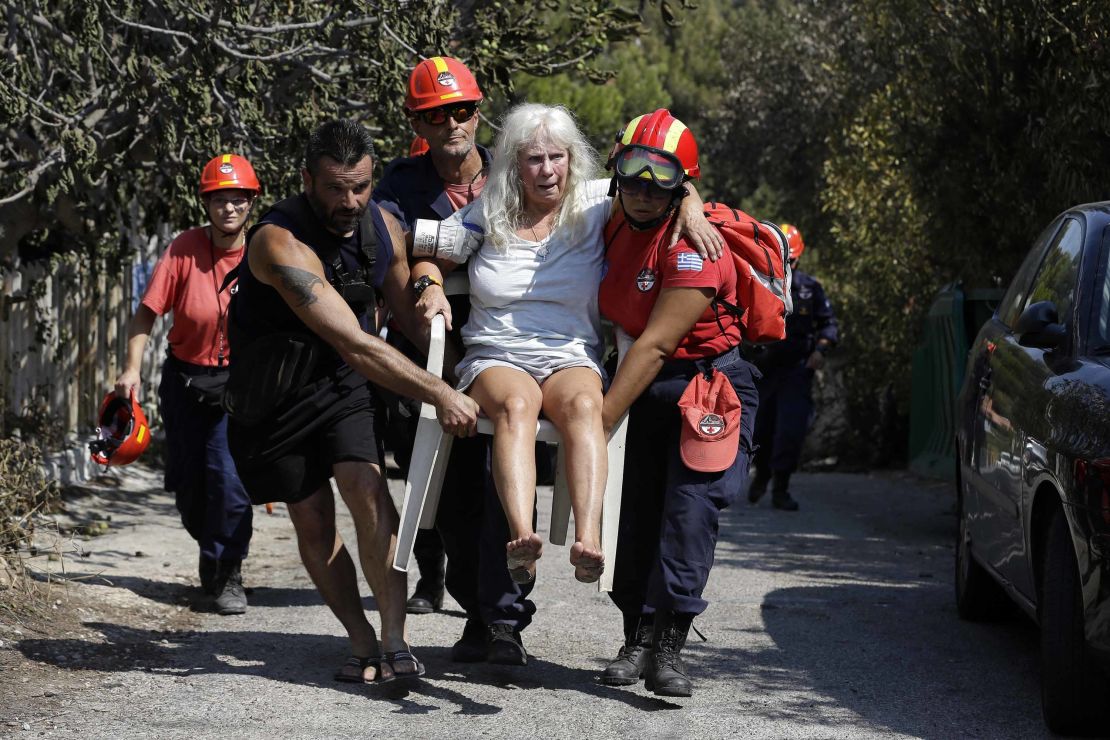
point(435, 485)
point(611, 505)
point(426, 469)
point(560, 502)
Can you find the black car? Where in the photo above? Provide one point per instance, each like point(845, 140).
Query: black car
point(1033, 470)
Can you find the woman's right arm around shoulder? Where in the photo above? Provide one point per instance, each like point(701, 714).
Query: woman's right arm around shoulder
point(295, 272)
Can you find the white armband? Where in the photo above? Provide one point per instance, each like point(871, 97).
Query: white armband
point(450, 240)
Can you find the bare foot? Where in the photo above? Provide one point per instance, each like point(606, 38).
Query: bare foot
point(588, 562)
point(521, 557)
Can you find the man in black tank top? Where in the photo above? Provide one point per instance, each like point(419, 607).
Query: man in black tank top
point(310, 279)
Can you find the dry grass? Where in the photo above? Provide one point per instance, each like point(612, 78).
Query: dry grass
point(25, 492)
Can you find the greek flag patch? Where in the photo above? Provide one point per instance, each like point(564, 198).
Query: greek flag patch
point(689, 261)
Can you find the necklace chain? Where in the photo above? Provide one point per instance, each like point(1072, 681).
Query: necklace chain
point(532, 228)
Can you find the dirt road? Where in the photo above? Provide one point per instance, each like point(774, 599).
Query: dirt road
point(836, 621)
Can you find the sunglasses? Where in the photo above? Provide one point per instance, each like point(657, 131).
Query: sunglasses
point(638, 186)
point(461, 112)
point(661, 168)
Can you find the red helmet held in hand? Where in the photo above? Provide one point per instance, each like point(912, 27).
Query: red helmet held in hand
point(794, 239)
point(122, 432)
point(440, 81)
point(228, 172)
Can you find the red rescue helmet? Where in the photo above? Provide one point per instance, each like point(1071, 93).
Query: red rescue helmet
point(794, 239)
point(418, 146)
point(228, 172)
point(439, 81)
point(656, 146)
point(122, 432)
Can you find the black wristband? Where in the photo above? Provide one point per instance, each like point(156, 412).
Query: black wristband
point(422, 284)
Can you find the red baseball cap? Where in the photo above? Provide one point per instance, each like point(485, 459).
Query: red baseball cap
point(710, 423)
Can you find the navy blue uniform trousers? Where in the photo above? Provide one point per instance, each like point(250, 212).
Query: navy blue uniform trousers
point(200, 473)
point(670, 514)
point(785, 415)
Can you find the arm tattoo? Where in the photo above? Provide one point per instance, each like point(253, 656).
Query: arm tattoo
point(298, 282)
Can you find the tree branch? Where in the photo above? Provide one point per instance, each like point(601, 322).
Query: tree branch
point(397, 38)
point(153, 29)
point(55, 155)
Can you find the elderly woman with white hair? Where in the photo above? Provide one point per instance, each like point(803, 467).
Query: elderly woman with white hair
point(534, 245)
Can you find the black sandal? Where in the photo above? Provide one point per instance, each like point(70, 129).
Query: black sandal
point(354, 668)
point(401, 656)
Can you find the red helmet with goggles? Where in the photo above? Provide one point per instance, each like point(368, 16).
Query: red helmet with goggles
point(657, 147)
point(122, 432)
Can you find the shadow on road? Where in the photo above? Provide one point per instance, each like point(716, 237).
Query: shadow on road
point(308, 659)
point(877, 632)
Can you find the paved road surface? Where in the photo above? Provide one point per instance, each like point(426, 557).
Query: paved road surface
point(835, 622)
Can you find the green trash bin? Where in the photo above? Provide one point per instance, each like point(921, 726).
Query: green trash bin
point(938, 369)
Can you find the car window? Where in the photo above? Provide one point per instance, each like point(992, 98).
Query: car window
point(1011, 305)
point(1100, 326)
point(1059, 271)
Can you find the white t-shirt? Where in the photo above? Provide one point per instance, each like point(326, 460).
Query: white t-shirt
point(538, 297)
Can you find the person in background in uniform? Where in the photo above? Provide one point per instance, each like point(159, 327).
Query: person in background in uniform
point(314, 268)
point(199, 471)
point(691, 399)
point(785, 392)
point(442, 107)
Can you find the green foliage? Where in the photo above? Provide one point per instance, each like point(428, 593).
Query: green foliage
point(637, 85)
point(914, 143)
point(110, 104)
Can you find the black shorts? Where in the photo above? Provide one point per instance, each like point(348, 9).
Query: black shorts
point(289, 457)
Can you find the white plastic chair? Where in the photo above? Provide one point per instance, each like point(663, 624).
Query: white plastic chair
point(432, 449)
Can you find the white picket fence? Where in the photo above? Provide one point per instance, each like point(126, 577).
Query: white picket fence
point(63, 338)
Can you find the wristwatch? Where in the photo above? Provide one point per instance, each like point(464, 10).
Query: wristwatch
point(422, 284)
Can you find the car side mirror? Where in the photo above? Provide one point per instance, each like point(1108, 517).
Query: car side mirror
point(1039, 326)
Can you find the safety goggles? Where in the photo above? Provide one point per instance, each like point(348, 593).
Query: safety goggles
point(461, 112)
point(661, 168)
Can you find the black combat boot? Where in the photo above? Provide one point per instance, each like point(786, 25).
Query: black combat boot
point(665, 673)
point(208, 575)
point(230, 596)
point(427, 597)
point(780, 492)
point(628, 667)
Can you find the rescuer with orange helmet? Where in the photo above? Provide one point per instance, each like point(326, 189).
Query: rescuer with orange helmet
point(786, 389)
point(187, 280)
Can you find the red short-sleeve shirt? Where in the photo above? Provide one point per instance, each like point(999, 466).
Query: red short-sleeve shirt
point(185, 281)
point(639, 267)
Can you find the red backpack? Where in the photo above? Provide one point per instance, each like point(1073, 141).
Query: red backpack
point(762, 258)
